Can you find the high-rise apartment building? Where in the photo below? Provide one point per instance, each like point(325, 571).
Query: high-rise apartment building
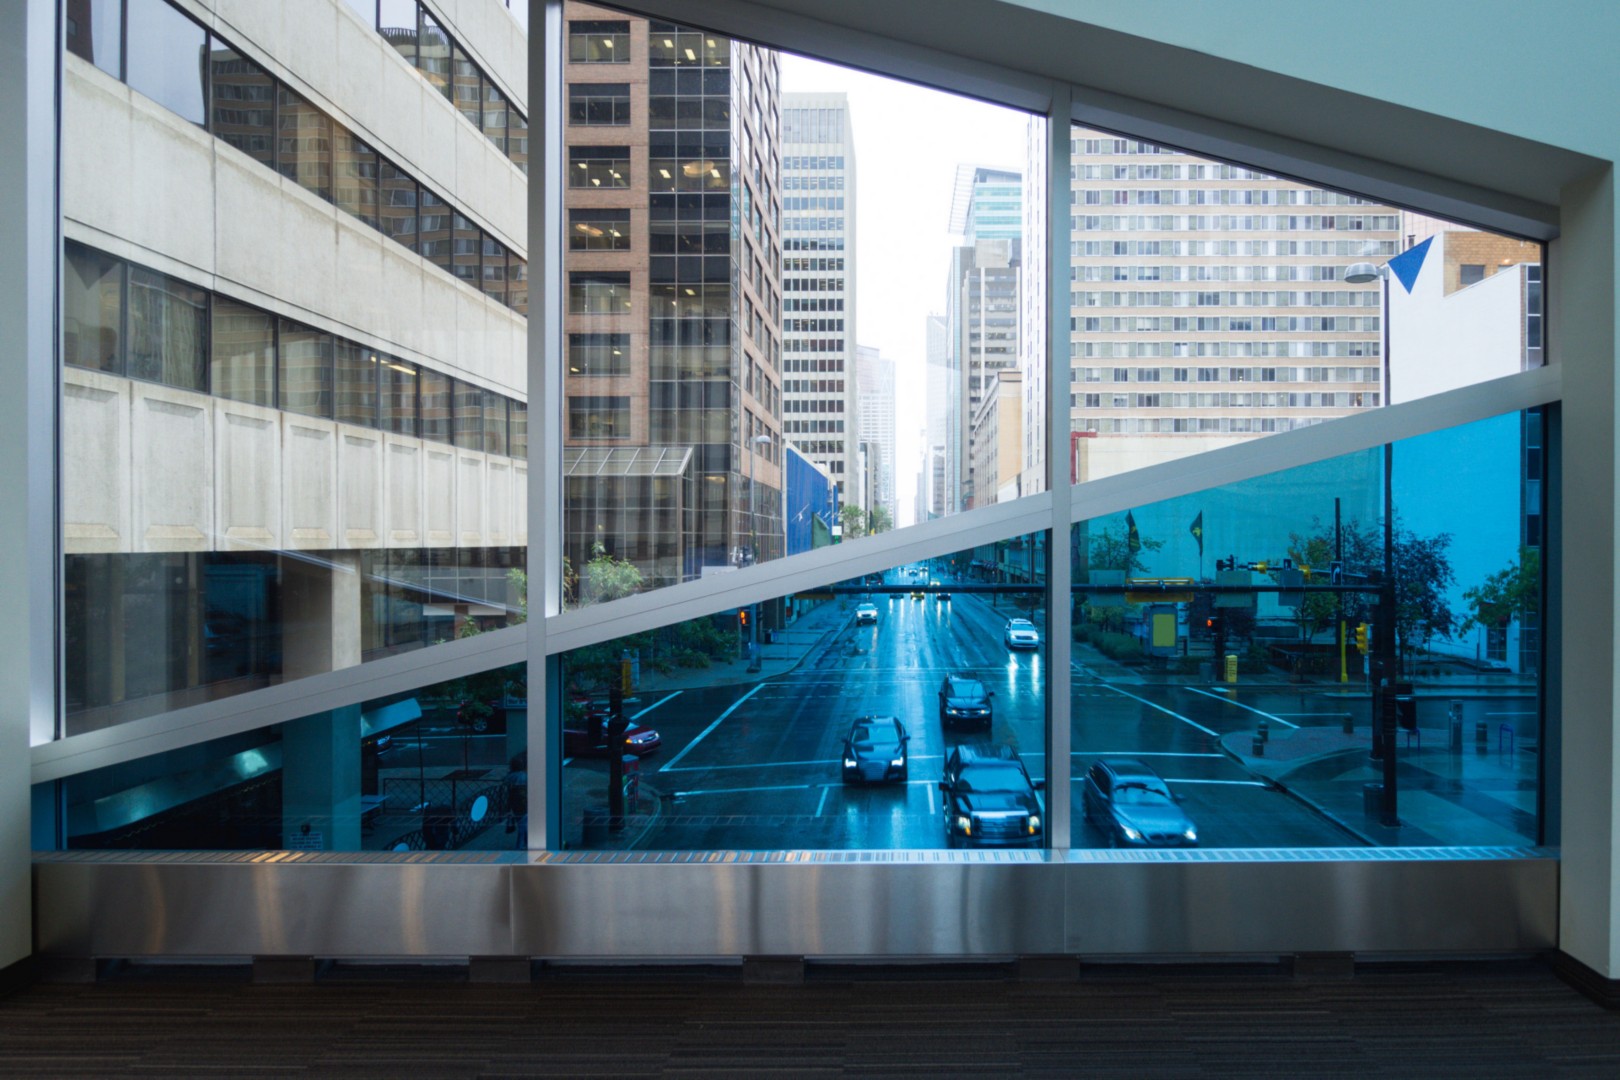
point(1208, 302)
point(820, 413)
point(981, 312)
point(673, 442)
point(874, 377)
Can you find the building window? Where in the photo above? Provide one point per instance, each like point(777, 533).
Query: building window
point(398, 398)
point(243, 97)
point(242, 364)
point(166, 54)
point(1470, 274)
point(95, 32)
point(396, 198)
point(598, 41)
point(598, 418)
point(517, 429)
point(494, 269)
point(494, 423)
point(305, 360)
point(495, 116)
point(599, 230)
point(434, 240)
point(599, 292)
point(304, 143)
point(435, 392)
point(468, 84)
point(599, 354)
point(356, 384)
point(467, 416)
point(434, 54)
point(355, 172)
point(92, 310)
point(465, 249)
point(396, 21)
point(598, 104)
point(168, 330)
point(599, 166)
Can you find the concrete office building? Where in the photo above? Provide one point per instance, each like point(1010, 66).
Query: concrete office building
point(941, 389)
point(821, 413)
point(1521, 154)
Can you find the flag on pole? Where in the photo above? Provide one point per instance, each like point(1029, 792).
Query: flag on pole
point(1133, 539)
point(1198, 532)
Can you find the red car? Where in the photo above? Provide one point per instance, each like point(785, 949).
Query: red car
point(590, 740)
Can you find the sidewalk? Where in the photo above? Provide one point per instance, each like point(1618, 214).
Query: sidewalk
point(788, 649)
point(1478, 794)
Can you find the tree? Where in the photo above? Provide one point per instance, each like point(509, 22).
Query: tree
point(1316, 610)
point(879, 521)
point(1511, 593)
point(1111, 552)
point(606, 578)
point(853, 519)
point(1422, 576)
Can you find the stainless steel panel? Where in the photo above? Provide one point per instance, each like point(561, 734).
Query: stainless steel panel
point(828, 904)
point(300, 909)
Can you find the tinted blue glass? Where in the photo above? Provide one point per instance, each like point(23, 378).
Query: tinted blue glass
point(1216, 644)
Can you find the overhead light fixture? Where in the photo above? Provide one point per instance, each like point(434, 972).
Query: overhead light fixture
point(665, 173)
point(587, 229)
point(715, 173)
point(697, 168)
point(690, 55)
point(668, 44)
point(607, 42)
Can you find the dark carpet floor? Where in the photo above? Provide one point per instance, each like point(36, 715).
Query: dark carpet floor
point(1479, 1020)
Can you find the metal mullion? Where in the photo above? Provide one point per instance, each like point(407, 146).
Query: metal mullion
point(545, 502)
point(1060, 568)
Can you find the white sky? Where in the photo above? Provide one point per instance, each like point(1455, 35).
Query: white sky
point(908, 143)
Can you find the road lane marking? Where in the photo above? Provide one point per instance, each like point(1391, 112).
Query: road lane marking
point(1239, 704)
point(1142, 753)
point(743, 790)
point(1510, 714)
point(1161, 708)
point(822, 802)
point(1231, 783)
point(1319, 715)
point(786, 764)
point(931, 808)
point(735, 705)
point(655, 704)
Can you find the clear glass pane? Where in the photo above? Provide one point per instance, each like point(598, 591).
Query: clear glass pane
point(717, 317)
point(1212, 304)
point(469, 89)
point(195, 518)
point(1230, 643)
point(442, 769)
point(904, 710)
point(433, 54)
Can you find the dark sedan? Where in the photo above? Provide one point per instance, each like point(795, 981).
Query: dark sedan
point(1134, 806)
point(964, 702)
point(875, 751)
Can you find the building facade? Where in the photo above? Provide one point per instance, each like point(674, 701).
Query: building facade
point(821, 399)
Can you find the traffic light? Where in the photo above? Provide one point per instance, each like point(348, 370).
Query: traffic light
point(1361, 638)
point(1213, 625)
point(742, 618)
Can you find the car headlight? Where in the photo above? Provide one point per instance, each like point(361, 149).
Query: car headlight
point(849, 763)
point(1131, 834)
point(964, 824)
point(1190, 833)
point(897, 763)
point(1034, 823)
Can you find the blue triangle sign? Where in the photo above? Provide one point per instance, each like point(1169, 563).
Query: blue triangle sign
point(1407, 265)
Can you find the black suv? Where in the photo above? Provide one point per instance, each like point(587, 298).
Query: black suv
point(989, 801)
point(964, 702)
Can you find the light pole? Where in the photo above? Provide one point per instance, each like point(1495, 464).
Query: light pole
point(753, 550)
point(1384, 705)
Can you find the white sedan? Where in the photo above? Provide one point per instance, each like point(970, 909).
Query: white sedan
point(1021, 634)
point(865, 613)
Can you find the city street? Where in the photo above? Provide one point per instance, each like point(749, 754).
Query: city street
point(758, 764)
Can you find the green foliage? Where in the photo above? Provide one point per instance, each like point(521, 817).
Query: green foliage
point(879, 521)
point(1317, 610)
point(1511, 593)
point(606, 578)
point(853, 519)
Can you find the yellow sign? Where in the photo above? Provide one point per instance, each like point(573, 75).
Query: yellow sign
point(1159, 597)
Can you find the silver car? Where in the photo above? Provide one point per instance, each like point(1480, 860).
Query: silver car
point(1021, 634)
point(1134, 806)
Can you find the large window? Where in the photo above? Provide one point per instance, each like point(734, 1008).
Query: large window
point(598, 103)
point(166, 58)
point(598, 41)
point(599, 166)
point(603, 292)
point(599, 230)
point(242, 365)
point(598, 417)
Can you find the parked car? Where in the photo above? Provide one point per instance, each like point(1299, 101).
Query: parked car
point(588, 738)
point(866, 613)
point(1134, 805)
point(875, 751)
point(482, 717)
point(963, 701)
point(989, 801)
point(1021, 634)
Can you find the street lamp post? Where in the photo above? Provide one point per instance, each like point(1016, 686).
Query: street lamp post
point(1384, 703)
point(753, 551)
